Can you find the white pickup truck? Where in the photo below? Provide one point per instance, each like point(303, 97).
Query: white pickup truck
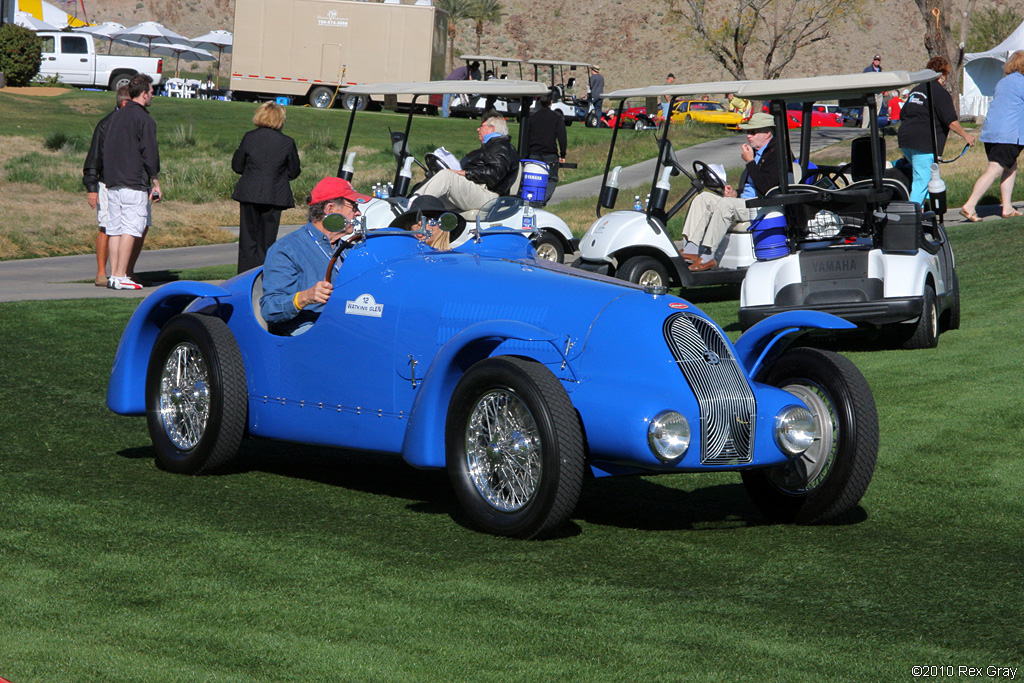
point(72, 57)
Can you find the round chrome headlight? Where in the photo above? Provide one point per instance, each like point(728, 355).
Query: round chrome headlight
point(794, 430)
point(668, 435)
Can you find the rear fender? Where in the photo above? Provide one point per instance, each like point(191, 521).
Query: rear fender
point(423, 445)
point(126, 391)
point(766, 340)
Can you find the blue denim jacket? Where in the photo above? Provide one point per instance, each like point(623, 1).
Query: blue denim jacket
point(294, 263)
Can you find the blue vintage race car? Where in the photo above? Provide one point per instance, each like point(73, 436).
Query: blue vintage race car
point(515, 374)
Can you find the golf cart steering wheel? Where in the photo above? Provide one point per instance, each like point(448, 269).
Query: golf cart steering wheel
point(708, 177)
point(434, 164)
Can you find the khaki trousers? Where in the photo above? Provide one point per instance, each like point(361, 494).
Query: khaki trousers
point(710, 217)
point(457, 192)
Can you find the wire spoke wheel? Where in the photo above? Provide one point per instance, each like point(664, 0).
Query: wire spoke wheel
point(514, 447)
point(503, 451)
point(184, 401)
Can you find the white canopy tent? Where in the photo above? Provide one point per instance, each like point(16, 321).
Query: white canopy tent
point(982, 70)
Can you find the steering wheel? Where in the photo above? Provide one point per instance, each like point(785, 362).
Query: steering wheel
point(434, 164)
point(708, 177)
point(828, 177)
point(334, 223)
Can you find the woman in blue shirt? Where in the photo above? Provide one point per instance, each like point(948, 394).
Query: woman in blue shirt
point(1003, 135)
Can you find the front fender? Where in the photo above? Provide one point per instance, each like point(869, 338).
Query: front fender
point(770, 337)
point(423, 445)
point(126, 391)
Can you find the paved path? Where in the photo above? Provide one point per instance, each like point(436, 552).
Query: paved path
point(70, 277)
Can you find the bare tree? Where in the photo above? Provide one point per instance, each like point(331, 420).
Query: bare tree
point(938, 37)
point(768, 32)
point(482, 12)
point(457, 11)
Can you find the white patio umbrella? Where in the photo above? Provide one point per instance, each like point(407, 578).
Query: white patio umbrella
point(219, 39)
point(105, 30)
point(190, 53)
point(30, 22)
point(151, 33)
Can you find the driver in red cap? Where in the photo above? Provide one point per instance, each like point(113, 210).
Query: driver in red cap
point(294, 289)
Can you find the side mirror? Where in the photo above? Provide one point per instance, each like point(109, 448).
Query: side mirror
point(448, 221)
point(399, 146)
point(335, 222)
point(571, 83)
point(668, 156)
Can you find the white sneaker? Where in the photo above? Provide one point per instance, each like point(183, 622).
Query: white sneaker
point(123, 283)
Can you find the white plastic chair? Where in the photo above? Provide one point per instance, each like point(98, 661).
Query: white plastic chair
point(174, 87)
point(192, 88)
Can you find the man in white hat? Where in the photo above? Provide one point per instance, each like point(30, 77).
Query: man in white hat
point(710, 216)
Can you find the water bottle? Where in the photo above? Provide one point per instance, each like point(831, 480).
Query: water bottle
point(610, 191)
point(384, 191)
point(937, 191)
point(660, 194)
point(348, 168)
point(637, 206)
point(403, 179)
point(528, 218)
point(647, 202)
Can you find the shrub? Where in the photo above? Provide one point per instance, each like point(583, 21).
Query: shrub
point(20, 54)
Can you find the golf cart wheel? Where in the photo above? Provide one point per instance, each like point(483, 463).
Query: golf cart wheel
point(514, 448)
point(831, 476)
point(953, 315)
point(926, 330)
point(591, 120)
point(645, 271)
point(196, 397)
point(639, 125)
point(549, 247)
point(320, 97)
point(355, 102)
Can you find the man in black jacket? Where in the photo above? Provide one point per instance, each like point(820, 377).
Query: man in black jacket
point(710, 216)
point(486, 173)
point(96, 189)
point(131, 164)
point(546, 140)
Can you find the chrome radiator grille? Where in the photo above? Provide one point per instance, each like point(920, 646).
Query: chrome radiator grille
point(727, 406)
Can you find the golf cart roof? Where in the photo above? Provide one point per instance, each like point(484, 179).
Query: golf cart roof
point(490, 58)
point(498, 88)
point(840, 87)
point(555, 62)
point(679, 90)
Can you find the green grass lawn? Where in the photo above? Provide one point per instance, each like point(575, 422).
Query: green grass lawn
point(309, 564)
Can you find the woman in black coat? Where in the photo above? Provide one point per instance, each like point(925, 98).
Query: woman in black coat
point(267, 159)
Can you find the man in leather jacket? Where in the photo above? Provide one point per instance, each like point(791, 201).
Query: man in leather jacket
point(486, 173)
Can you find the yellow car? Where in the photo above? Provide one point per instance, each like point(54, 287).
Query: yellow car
point(706, 112)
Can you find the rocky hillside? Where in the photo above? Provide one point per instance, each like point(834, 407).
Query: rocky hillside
point(636, 42)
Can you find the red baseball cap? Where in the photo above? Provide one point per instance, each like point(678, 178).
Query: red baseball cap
point(333, 188)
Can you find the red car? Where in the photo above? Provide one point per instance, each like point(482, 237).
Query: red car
point(635, 117)
point(819, 116)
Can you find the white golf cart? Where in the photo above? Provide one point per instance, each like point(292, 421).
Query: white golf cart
point(552, 236)
point(633, 244)
point(852, 245)
point(558, 74)
point(503, 68)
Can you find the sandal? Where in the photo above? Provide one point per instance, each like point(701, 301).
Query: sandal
point(972, 217)
point(1013, 212)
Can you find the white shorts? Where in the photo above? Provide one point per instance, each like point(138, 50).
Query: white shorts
point(127, 212)
point(101, 207)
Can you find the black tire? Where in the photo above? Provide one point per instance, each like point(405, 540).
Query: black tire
point(540, 450)
point(355, 102)
point(644, 270)
point(549, 247)
point(830, 478)
point(320, 97)
point(926, 330)
point(120, 78)
point(953, 321)
point(639, 125)
point(199, 429)
point(592, 120)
